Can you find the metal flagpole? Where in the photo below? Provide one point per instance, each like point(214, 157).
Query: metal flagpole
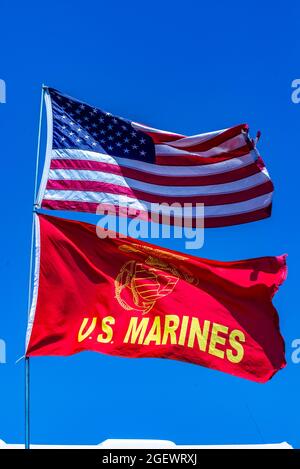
point(27, 361)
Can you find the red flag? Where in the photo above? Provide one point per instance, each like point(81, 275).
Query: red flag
point(125, 297)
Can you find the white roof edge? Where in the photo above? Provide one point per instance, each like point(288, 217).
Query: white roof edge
point(147, 444)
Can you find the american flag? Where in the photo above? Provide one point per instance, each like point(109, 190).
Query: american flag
point(94, 157)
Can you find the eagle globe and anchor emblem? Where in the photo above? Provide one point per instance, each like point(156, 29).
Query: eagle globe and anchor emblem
point(140, 284)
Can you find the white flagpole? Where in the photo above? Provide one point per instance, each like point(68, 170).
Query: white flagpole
point(27, 361)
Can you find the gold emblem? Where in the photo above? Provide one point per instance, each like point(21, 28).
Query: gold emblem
point(149, 280)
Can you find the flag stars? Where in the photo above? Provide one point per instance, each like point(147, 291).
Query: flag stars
point(86, 127)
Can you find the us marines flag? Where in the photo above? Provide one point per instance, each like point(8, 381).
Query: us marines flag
point(94, 157)
point(125, 297)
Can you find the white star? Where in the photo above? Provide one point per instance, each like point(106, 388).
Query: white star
point(110, 147)
point(94, 144)
point(126, 150)
point(134, 147)
point(82, 106)
point(109, 126)
point(142, 140)
point(102, 140)
point(62, 139)
point(64, 127)
point(115, 121)
point(142, 153)
point(102, 132)
point(101, 120)
point(78, 140)
point(72, 123)
point(108, 114)
point(126, 140)
point(133, 134)
point(64, 117)
point(71, 133)
point(124, 127)
point(118, 134)
point(79, 129)
point(110, 137)
point(119, 144)
point(86, 137)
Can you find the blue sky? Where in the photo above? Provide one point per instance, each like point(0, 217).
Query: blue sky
point(189, 67)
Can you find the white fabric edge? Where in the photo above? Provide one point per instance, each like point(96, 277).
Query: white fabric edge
point(161, 170)
point(48, 156)
point(35, 280)
point(236, 208)
point(232, 187)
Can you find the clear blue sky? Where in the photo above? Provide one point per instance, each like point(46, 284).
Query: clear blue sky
point(185, 66)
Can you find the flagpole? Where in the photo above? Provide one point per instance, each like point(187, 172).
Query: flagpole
point(27, 360)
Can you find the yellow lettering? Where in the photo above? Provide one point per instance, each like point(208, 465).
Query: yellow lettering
point(217, 340)
point(136, 331)
point(171, 325)
point(107, 330)
point(184, 325)
point(235, 344)
point(83, 335)
point(154, 334)
point(195, 331)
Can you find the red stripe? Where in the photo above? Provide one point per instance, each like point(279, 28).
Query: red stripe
point(210, 222)
point(161, 137)
point(193, 160)
point(220, 199)
point(217, 222)
point(218, 139)
point(88, 165)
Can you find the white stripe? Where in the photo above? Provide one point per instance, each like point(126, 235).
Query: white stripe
point(125, 201)
point(231, 144)
point(146, 128)
point(199, 138)
point(174, 191)
point(198, 170)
